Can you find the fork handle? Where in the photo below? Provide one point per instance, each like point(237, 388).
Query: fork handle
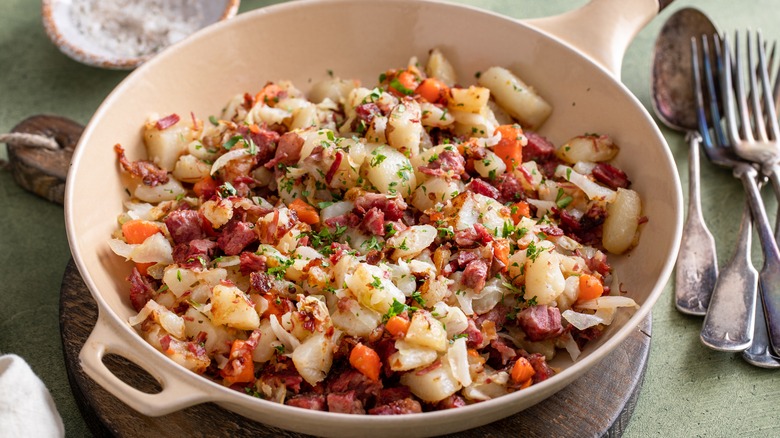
point(697, 261)
point(774, 179)
point(729, 324)
point(769, 277)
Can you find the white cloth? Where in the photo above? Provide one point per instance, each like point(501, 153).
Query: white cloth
point(26, 407)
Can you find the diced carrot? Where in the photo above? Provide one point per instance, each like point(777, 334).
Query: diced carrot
point(590, 288)
point(365, 360)
point(509, 148)
point(137, 230)
point(501, 251)
point(206, 187)
point(275, 306)
point(270, 94)
point(403, 84)
point(397, 326)
point(522, 371)
point(240, 367)
point(254, 129)
point(433, 90)
point(306, 213)
point(520, 210)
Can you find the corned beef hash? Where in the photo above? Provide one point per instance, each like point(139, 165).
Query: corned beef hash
point(401, 248)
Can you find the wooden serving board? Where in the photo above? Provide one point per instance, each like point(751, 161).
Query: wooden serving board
point(598, 404)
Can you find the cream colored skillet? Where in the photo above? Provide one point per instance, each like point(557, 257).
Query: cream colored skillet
point(573, 61)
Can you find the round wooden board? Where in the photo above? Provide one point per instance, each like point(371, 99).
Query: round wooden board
point(612, 386)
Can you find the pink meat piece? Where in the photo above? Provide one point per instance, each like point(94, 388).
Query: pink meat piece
point(374, 222)
point(345, 403)
point(393, 208)
point(194, 253)
point(448, 163)
point(538, 149)
point(235, 237)
point(314, 402)
point(475, 275)
point(353, 380)
point(509, 188)
point(611, 176)
point(288, 150)
point(251, 262)
point(184, 225)
point(398, 407)
point(540, 322)
point(483, 187)
point(142, 289)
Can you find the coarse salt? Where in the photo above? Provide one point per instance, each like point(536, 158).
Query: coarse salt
point(135, 28)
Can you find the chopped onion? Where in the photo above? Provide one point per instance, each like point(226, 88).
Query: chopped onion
point(592, 189)
point(571, 346)
point(581, 320)
point(289, 341)
point(229, 156)
point(155, 249)
point(457, 355)
point(607, 302)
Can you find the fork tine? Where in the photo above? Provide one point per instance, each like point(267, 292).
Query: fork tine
point(769, 103)
point(738, 67)
point(727, 91)
point(709, 74)
point(754, 69)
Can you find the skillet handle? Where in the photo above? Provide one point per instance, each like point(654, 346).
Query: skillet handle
point(602, 29)
point(175, 394)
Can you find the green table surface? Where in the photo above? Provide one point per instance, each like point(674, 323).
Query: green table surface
point(688, 389)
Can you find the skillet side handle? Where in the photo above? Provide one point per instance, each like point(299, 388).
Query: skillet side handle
point(602, 29)
point(175, 394)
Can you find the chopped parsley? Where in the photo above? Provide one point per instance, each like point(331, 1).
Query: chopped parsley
point(232, 142)
point(227, 189)
point(280, 270)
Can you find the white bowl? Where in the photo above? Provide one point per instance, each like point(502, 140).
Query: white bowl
point(302, 41)
point(88, 47)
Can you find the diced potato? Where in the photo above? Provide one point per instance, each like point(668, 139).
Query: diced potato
point(543, 277)
point(588, 148)
point(390, 171)
point(620, 226)
point(480, 124)
point(335, 89)
point(355, 319)
point(435, 115)
point(217, 337)
point(514, 96)
point(163, 147)
point(231, 307)
point(190, 169)
point(436, 190)
point(410, 356)
point(440, 68)
point(161, 192)
point(433, 385)
point(471, 100)
point(427, 331)
point(218, 212)
point(314, 357)
point(404, 129)
point(179, 280)
point(491, 166)
point(373, 289)
point(411, 241)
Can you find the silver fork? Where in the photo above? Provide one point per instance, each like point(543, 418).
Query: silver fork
point(721, 152)
point(729, 322)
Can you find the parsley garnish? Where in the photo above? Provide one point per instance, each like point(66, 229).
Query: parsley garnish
point(417, 296)
point(232, 142)
point(377, 160)
point(227, 189)
point(377, 283)
point(397, 308)
point(213, 120)
point(532, 252)
point(280, 270)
